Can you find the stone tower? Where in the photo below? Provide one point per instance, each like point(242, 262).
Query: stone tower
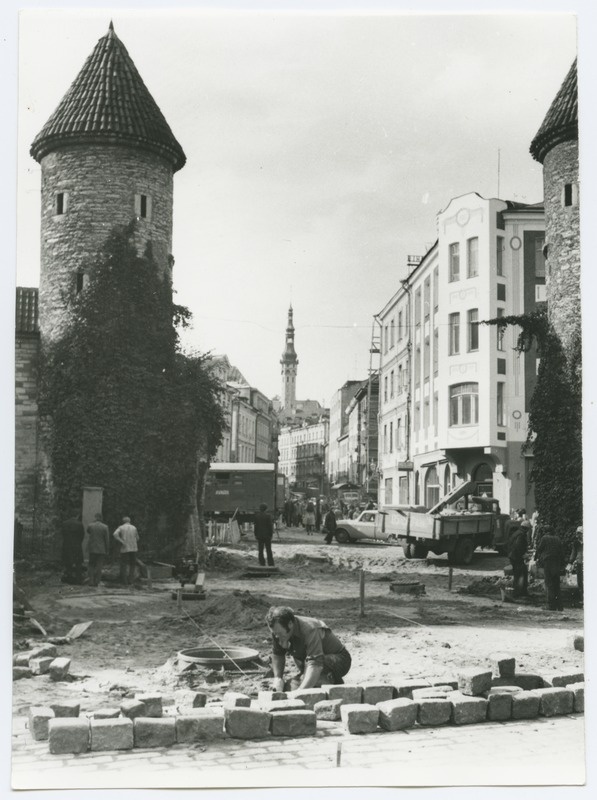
point(556, 147)
point(107, 156)
point(289, 362)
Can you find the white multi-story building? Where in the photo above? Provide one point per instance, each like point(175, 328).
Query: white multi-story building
point(303, 454)
point(453, 392)
point(337, 463)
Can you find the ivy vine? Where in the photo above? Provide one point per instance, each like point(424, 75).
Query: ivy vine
point(554, 435)
point(127, 410)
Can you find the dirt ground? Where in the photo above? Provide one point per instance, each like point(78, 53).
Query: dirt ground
point(137, 632)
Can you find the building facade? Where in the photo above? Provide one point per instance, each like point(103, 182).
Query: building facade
point(338, 428)
point(453, 392)
point(362, 442)
point(303, 455)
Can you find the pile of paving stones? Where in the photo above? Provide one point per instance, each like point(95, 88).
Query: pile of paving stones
point(498, 693)
point(41, 660)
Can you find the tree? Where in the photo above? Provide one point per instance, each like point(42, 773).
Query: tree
point(126, 409)
point(554, 435)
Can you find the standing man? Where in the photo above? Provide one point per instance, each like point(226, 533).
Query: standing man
point(99, 546)
point(318, 654)
point(517, 548)
point(128, 537)
point(73, 534)
point(550, 556)
point(329, 526)
point(576, 560)
point(264, 532)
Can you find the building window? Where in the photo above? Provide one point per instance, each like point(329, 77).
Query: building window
point(432, 487)
point(426, 414)
point(454, 330)
point(570, 195)
point(426, 358)
point(435, 351)
point(540, 257)
point(385, 339)
point(427, 298)
point(454, 262)
point(472, 257)
point(403, 490)
point(501, 292)
point(500, 330)
point(499, 255)
point(418, 366)
point(418, 307)
point(385, 389)
point(500, 404)
point(391, 437)
point(435, 288)
point(61, 204)
point(417, 416)
point(392, 383)
point(501, 366)
point(388, 491)
point(435, 410)
point(464, 404)
point(143, 206)
point(400, 379)
point(399, 433)
point(400, 334)
point(473, 329)
point(385, 438)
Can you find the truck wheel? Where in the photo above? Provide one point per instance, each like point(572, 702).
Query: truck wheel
point(342, 536)
point(420, 551)
point(409, 550)
point(464, 551)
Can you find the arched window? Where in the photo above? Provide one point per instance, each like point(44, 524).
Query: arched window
point(483, 475)
point(464, 404)
point(432, 487)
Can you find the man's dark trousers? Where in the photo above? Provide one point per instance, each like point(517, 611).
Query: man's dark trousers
point(520, 576)
point(267, 544)
point(551, 577)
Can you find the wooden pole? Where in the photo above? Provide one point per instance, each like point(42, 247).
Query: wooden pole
point(362, 591)
point(450, 573)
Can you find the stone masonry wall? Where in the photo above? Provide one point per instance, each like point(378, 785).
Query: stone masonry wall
point(26, 419)
point(101, 182)
point(563, 239)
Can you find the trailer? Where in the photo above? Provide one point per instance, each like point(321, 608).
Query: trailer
point(236, 490)
point(460, 523)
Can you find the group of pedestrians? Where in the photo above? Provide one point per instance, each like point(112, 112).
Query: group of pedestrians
point(524, 538)
point(98, 547)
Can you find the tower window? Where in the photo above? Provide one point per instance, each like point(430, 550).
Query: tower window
point(81, 281)
point(143, 206)
point(61, 203)
point(570, 195)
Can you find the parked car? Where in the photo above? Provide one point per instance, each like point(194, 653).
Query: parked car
point(355, 530)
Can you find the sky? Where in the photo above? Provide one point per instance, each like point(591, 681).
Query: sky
point(320, 148)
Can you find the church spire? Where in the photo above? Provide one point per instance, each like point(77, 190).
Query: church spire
point(289, 362)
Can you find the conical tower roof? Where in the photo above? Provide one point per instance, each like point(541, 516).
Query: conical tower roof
point(109, 103)
point(561, 121)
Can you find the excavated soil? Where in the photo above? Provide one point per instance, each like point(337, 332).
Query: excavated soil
point(136, 632)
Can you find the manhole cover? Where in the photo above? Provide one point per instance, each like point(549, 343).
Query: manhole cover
point(214, 658)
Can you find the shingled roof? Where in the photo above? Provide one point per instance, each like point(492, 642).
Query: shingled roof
point(561, 121)
point(109, 103)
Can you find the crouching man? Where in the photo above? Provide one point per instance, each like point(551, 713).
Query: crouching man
point(318, 654)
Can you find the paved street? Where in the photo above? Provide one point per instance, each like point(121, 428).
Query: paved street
point(541, 751)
